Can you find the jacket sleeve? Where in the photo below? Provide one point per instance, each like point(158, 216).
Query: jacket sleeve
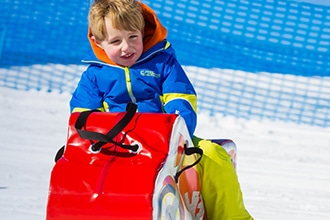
point(179, 95)
point(87, 95)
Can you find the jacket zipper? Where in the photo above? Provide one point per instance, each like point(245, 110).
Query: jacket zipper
point(129, 85)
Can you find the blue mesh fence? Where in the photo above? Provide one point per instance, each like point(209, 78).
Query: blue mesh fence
point(250, 59)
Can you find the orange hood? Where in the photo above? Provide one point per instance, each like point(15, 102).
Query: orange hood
point(154, 32)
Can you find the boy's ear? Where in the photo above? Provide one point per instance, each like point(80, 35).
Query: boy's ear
point(96, 42)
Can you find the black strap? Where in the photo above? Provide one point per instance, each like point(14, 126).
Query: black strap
point(189, 151)
point(106, 138)
point(59, 153)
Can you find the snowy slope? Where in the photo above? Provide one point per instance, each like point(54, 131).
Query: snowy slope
point(284, 169)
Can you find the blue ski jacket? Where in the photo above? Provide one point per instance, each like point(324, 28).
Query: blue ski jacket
point(156, 82)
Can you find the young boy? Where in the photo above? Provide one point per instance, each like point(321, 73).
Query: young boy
point(132, 61)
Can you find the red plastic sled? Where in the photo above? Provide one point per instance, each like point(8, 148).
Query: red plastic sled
point(130, 170)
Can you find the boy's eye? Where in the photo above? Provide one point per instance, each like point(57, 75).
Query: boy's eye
point(133, 36)
point(115, 42)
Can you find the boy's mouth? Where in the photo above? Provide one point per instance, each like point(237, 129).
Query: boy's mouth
point(128, 56)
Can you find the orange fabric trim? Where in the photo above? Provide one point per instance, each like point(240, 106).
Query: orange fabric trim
point(154, 32)
point(99, 52)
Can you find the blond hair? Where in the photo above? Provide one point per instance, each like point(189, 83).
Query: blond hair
point(124, 14)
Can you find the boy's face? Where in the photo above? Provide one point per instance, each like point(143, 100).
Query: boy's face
point(122, 47)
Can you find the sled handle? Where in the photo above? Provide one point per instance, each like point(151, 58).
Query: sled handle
point(106, 138)
point(189, 151)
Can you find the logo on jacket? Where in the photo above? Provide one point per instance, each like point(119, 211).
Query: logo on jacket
point(149, 73)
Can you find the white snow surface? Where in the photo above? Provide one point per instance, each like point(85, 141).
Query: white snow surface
point(283, 168)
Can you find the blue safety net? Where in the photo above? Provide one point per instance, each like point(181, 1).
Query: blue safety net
point(250, 59)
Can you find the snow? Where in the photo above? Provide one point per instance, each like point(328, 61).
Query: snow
point(283, 168)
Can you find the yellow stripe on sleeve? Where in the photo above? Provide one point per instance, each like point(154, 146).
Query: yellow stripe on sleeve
point(77, 109)
point(191, 98)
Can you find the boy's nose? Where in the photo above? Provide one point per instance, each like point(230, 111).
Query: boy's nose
point(125, 46)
